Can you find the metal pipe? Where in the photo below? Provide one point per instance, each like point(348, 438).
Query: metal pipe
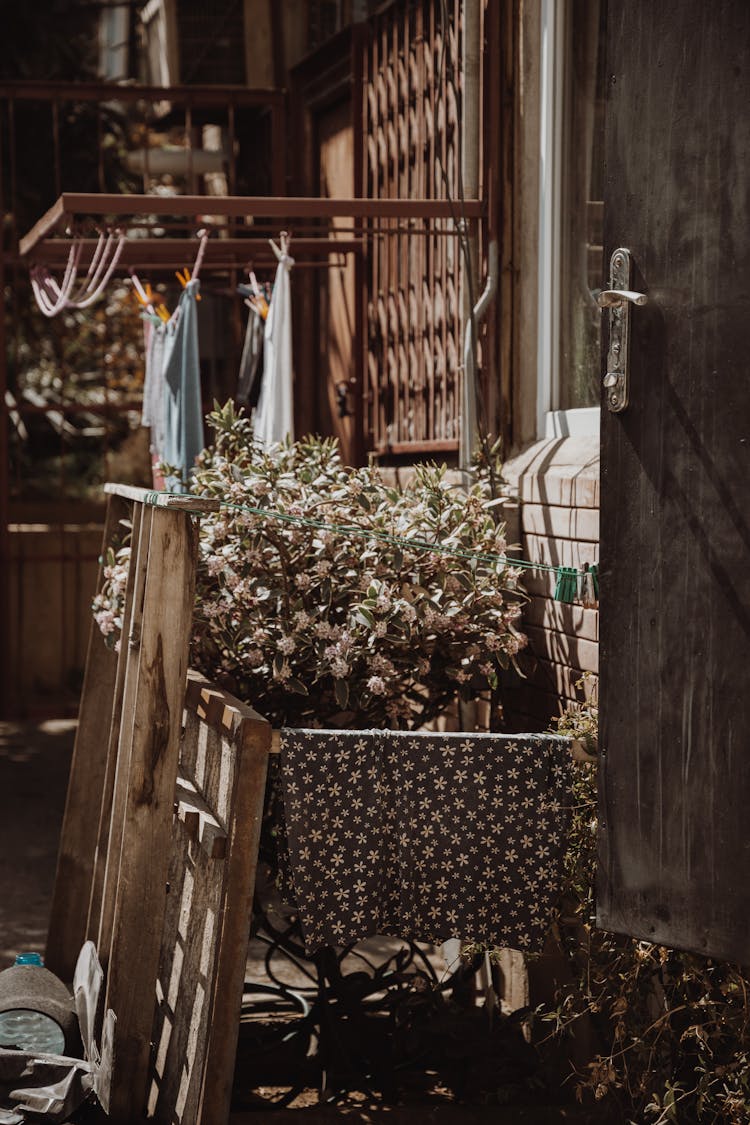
point(469, 398)
point(199, 95)
point(286, 207)
point(471, 53)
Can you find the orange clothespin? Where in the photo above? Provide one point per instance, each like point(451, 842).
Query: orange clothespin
point(258, 301)
point(184, 278)
point(260, 304)
point(152, 302)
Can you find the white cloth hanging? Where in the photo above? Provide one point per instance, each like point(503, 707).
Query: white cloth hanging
point(153, 388)
point(274, 415)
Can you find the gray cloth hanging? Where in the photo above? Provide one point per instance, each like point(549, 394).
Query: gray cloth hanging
point(426, 836)
point(183, 412)
point(252, 353)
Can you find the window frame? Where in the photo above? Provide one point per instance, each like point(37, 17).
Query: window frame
point(554, 60)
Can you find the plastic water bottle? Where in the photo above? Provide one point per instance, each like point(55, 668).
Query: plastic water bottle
point(27, 1030)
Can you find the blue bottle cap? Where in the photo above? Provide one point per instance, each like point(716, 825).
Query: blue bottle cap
point(29, 959)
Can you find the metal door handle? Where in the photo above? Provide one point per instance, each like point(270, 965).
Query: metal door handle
point(612, 298)
point(618, 300)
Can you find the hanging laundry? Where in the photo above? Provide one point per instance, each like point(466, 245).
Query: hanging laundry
point(154, 393)
point(183, 414)
point(424, 836)
point(274, 415)
point(252, 351)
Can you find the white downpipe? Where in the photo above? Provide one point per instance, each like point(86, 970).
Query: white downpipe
point(469, 400)
point(471, 54)
point(553, 22)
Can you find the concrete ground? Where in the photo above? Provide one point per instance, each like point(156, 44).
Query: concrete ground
point(34, 765)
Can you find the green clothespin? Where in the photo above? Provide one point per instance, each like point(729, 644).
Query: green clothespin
point(567, 584)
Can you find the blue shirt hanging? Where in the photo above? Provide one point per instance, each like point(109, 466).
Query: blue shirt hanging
point(183, 414)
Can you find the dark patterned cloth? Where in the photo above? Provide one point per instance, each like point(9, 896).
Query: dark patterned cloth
point(424, 836)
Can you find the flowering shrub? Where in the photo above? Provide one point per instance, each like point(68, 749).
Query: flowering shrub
point(319, 626)
point(109, 604)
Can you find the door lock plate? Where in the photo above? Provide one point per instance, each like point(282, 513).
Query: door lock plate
point(618, 300)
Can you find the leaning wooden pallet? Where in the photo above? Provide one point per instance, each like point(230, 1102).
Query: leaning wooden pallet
point(160, 837)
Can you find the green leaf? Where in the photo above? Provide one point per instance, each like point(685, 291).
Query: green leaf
point(297, 686)
point(341, 689)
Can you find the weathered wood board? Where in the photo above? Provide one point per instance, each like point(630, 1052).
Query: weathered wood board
point(674, 839)
point(216, 833)
point(154, 805)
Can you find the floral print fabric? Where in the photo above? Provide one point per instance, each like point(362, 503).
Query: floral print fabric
point(425, 836)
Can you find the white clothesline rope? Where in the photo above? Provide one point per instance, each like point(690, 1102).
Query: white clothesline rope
point(53, 297)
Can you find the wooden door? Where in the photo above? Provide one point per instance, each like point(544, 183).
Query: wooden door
point(674, 833)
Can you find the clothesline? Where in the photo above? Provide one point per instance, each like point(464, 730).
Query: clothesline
point(566, 576)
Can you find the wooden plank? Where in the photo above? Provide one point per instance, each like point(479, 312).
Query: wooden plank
point(574, 620)
point(200, 822)
point(106, 873)
point(153, 731)
point(105, 811)
point(244, 841)
point(76, 857)
point(172, 500)
point(526, 699)
point(538, 583)
point(573, 652)
point(207, 920)
point(675, 785)
point(183, 987)
point(49, 222)
point(561, 486)
point(560, 552)
point(561, 522)
point(563, 681)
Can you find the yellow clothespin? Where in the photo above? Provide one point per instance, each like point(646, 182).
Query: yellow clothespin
point(152, 302)
point(184, 278)
point(258, 300)
point(260, 304)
